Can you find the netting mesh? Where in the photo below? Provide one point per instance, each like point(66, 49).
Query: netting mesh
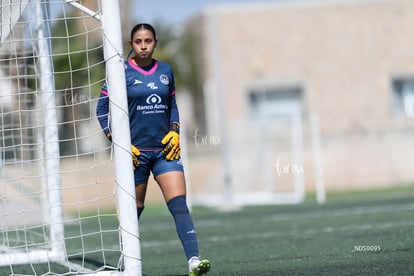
point(30, 231)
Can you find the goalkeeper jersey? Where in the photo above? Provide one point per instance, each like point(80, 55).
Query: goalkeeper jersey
point(151, 104)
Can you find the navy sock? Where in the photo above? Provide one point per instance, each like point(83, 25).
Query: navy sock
point(184, 225)
point(139, 211)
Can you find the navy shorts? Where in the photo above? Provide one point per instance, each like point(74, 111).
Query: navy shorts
point(155, 162)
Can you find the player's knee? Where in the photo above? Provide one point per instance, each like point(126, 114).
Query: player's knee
point(178, 205)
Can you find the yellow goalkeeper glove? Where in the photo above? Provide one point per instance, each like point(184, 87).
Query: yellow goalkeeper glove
point(135, 156)
point(171, 141)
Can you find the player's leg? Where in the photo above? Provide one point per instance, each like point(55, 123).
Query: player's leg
point(140, 193)
point(141, 175)
point(172, 185)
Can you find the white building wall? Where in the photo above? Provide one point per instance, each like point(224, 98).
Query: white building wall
point(345, 56)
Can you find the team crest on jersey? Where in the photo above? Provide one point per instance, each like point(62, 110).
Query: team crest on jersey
point(164, 79)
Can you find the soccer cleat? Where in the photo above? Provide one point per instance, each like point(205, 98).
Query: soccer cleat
point(198, 267)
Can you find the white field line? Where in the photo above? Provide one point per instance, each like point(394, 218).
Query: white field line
point(353, 211)
point(308, 231)
point(276, 233)
point(160, 226)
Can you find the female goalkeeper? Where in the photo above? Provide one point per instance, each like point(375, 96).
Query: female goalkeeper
point(155, 129)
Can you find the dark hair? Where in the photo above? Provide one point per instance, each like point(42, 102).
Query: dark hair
point(143, 26)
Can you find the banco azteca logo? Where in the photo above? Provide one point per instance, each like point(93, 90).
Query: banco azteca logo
point(153, 105)
point(153, 99)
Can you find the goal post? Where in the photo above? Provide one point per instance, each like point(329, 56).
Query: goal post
point(271, 169)
point(50, 145)
point(121, 136)
point(67, 201)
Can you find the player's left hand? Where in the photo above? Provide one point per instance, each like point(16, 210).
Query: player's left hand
point(172, 148)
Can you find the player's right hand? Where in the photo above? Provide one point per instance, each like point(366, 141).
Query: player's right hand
point(135, 156)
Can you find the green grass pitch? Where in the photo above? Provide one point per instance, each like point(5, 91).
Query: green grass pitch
point(352, 234)
point(366, 234)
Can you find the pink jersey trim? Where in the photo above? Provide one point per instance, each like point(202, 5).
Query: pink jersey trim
point(146, 73)
point(104, 92)
point(149, 150)
point(172, 93)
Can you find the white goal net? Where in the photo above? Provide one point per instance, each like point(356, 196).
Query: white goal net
point(58, 189)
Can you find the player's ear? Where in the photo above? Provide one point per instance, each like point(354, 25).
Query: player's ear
point(130, 43)
point(156, 43)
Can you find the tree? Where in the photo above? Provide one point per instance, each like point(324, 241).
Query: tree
point(180, 48)
point(79, 71)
